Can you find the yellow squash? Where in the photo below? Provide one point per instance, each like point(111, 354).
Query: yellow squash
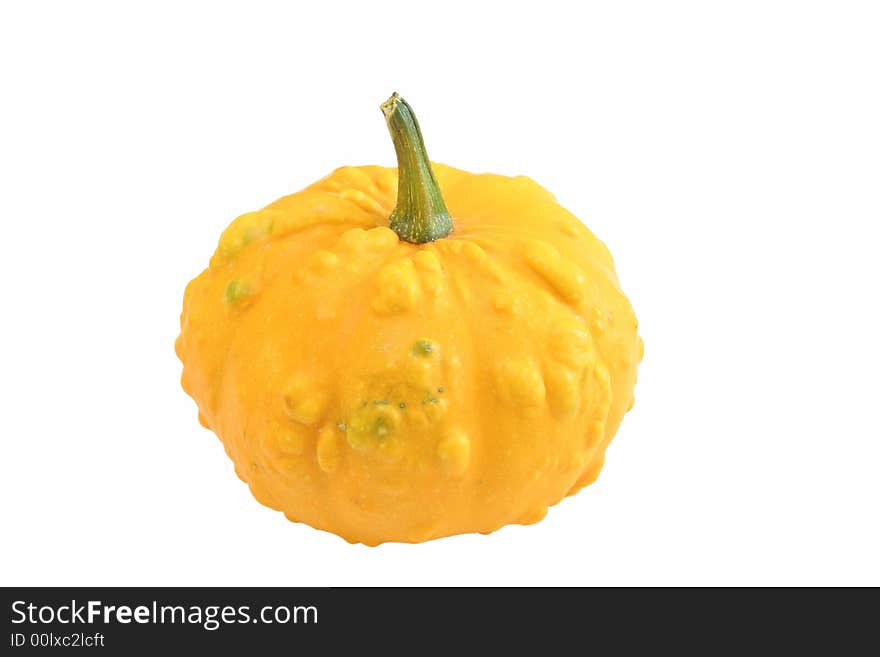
point(385, 368)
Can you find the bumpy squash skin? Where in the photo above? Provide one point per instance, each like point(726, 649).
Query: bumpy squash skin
point(388, 391)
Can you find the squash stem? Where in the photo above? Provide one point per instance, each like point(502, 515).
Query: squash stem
point(420, 214)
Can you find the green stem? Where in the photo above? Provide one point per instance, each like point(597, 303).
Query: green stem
point(420, 214)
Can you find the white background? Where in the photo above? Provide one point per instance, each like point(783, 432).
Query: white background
point(728, 154)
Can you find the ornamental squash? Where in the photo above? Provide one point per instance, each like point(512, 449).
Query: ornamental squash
point(404, 354)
